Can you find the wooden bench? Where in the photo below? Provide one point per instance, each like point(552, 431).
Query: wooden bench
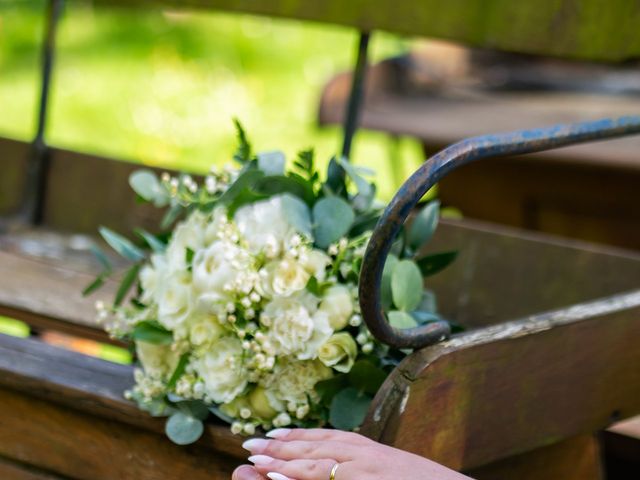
point(549, 360)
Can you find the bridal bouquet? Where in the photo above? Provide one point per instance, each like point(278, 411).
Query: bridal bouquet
point(247, 309)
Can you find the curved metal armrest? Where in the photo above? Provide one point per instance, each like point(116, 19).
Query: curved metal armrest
point(461, 153)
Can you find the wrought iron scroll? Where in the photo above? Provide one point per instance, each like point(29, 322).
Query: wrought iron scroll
point(432, 171)
point(354, 104)
point(38, 161)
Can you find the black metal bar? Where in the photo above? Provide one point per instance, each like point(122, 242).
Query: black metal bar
point(354, 105)
point(38, 161)
point(432, 171)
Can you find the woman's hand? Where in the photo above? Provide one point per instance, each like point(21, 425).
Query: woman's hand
point(300, 454)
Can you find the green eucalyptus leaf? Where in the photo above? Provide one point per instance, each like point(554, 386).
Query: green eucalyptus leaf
point(400, 319)
point(406, 285)
point(298, 214)
point(127, 282)
point(348, 409)
point(151, 331)
point(335, 178)
point(183, 429)
point(194, 408)
point(102, 258)
point(423, 317)
point(146, 184)
point(424, 225)
point(366, 377)
point(245, 181)
point(327, 389)
point(221, 415)
point(364, 187)
point(385, 286)
point(244, 197)
point(429, 302)
point(171, 216)
point(332, 218)
point(154, 242)
point(95, 285)
point(432, 264)
point(271, 163)
point(121, 245)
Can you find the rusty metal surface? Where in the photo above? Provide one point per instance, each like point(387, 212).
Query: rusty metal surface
point(461, 153)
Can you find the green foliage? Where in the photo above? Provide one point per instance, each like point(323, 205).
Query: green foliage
point(349, 408)
point(332, 219)
point(151, 331)
point(151, 240)
point(180, 369)
point(406, 285)
point(386, 295)
point(432, 264)
point(424, 225)
point(146, 184)
point(298, 214)
point(400, 319)
point(242, 154)
point(121, 245)
point(127, 282)
point(183, 429)
point(366, 377)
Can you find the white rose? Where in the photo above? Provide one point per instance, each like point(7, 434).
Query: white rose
point(215, 225)
point(264, 226)
point(284, 278)
point(201, 329)
point(294, 382)
point(316, 262)
point(220, 368)
point(296, 327)
point(188, 234)
point(158, 361)
point(338, 306)
point(218, 266)
point(174, 300)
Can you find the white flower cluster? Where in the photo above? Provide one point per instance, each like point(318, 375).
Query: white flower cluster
point(234, 294)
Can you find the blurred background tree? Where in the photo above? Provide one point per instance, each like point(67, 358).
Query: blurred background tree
point(160, 87)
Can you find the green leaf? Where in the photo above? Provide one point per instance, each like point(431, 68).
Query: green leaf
point(245, 181)
point(183, 429)
point(332, 218)
point(121, 245)
point(399, 319)
point(432, 264)
point(180, 368)
point(385, 287)
point(146, 184)
point(298, 214)
point(428, 302)
point(349, 408)
point(154, 243)
point(221, 415)
point(278, 184)
point(272, 163)
point(244, 197)
point(95, 285)
point(102, 258)
point(327, 389)
point(171, 216)
point(406, 285)
point(364, 187)
point(151, 331)
point(194, 408)
point(423, 317)
point(366, 377)
point(127, 282)
point(424, 225)
point(242, 154)
point(335, 178)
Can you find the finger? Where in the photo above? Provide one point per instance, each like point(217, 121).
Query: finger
point(297, 449)
point(317, 434)
point(298, 469)
point(246, 472)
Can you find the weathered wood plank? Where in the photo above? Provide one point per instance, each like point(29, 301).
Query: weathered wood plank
point(508, 389)
point(578, 458)
point(83, 446)
point(89, 385)
point(10, 470)
point(597, 29)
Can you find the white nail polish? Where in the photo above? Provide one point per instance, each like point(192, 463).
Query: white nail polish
point(276, 476)
point(255, 444)
point(279, 433)
point(260, 459)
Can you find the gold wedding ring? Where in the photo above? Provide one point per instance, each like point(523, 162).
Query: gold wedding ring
point(333, 472)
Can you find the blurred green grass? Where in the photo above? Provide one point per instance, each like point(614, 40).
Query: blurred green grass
point(160, 87)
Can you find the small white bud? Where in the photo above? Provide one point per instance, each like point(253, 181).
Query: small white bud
point(245, 413)
point(367, 347)
point(355, 320)
point(236, 428)
point(250, 429)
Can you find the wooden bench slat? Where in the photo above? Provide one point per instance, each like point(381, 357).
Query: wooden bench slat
point(598, 29)
point(515, 387)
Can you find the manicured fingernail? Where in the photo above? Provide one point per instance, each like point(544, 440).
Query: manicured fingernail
point(255, 444)
point(276, 476)
point(260, 459)
point(279, 433)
